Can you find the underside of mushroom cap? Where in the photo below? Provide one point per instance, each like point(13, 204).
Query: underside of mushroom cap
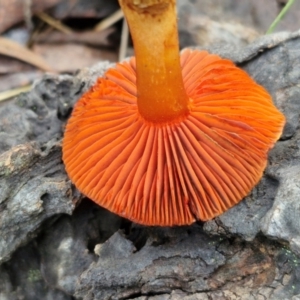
point(172, 173)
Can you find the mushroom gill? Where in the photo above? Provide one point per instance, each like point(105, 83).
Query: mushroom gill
point(164, 139)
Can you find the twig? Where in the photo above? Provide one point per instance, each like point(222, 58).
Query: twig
point(14, 92)
point(124, 41)
point(28, 14)
point(54, 23)
point(112, 19)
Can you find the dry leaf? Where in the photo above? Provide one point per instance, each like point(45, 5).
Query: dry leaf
point(91, 38)
point(9, 65)
point(70, 57)
point(18, 79)
point(13, 11)
point(13, 49)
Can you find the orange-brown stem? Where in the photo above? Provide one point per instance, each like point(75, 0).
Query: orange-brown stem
point(153, 26)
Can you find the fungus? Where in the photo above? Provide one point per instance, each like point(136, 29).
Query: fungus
point(164, 139)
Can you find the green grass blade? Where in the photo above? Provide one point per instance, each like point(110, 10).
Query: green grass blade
point(280, 16)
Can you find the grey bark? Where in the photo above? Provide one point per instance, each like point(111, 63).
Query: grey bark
point(51, 251)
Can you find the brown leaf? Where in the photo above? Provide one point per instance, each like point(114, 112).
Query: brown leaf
point(9, 65)
point(18, 79)
point(69, 57)
point(13, 11)
point(91, 38)
point(13, 49)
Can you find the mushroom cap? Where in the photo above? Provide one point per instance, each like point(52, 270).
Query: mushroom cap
point(178, 172)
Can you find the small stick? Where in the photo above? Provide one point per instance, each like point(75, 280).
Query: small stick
point(14, 92)
point(124, 41)
point(107, 22)
point(54, 23)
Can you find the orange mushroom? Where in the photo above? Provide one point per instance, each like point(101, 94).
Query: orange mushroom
point(164, 139)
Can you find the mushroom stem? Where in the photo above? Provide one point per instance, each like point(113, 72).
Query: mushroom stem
point(161, 94)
